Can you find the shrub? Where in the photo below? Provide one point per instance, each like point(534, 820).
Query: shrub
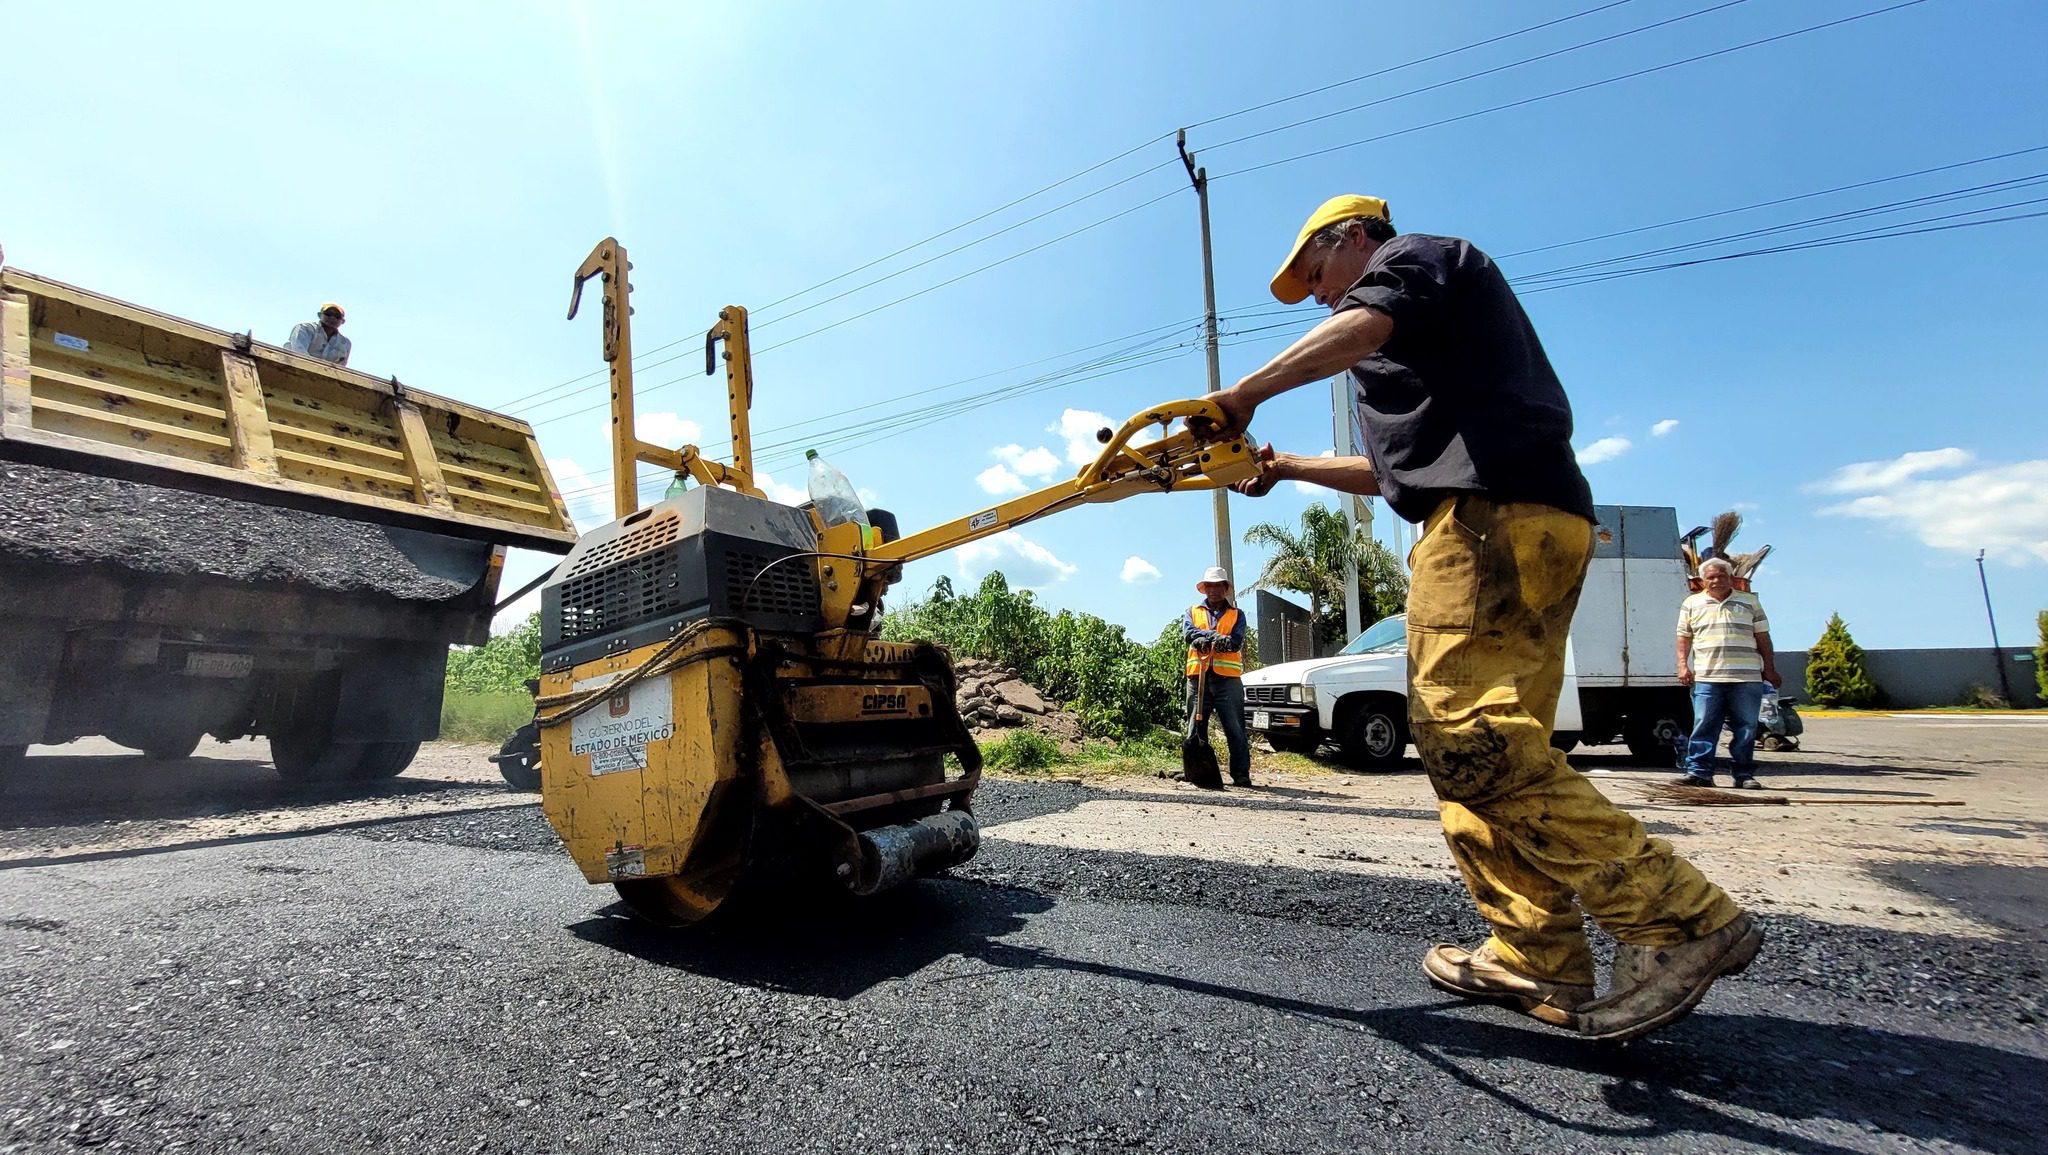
point(1118, 687)
point(2041, 657)
point(1985, 698)
point(1834, 669)
point(501, 664)
point(1021, 752)
point(488, 717)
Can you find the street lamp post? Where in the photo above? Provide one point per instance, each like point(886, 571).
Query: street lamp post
point(1997, 651)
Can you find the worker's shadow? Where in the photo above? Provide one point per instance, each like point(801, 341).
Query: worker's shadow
point(826, 949)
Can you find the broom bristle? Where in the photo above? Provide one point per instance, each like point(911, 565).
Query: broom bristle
point(1725, 527)
point(1709, 796)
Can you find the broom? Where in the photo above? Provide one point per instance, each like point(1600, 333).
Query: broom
point(1709, 796)
point(1726, 526)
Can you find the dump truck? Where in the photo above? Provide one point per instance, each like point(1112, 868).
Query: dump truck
point(717, 713)
point(201, 533)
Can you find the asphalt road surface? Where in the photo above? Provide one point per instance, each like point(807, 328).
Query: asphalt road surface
point(440, 979)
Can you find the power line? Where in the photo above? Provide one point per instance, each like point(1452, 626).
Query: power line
point(1576, 88)
point(1483, 72)
point(1775, 202)
point(1841, 217)
point(1856, 237)
point(534, 399)
point(1431, 58)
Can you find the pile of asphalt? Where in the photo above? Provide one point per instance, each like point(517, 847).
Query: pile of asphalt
point(60, 517)
point(1995, 985)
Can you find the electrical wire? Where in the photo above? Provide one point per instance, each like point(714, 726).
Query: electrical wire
point(1576, 88)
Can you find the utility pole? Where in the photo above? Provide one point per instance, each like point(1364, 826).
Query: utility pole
point(1997, 651)
point(1200, 178)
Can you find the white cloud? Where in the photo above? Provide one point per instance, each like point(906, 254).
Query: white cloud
point(1605, 449)
point(1138, 571)
point(1315, 490)
point(1078, 426)
point(999, 479)
point(1037, 461)
point(1874, 476)
point(776, 491)
point(1026, 563)
point(668, 430)
point(869, 497)
point(2002, 509)
point(1663, 427)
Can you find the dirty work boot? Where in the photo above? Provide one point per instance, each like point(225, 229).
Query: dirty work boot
point(1657, 986)
point(1481, 975)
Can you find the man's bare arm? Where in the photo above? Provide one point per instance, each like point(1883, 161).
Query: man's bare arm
point(1770, 659)
point(1684, 660)
point(1337, 344)
point(1343, 474)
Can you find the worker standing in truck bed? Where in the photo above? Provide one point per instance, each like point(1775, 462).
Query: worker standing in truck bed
point(322, 338)
point(1470, 434)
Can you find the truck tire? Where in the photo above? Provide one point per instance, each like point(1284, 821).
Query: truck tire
point(519, 758)
point(300, 760)
point(1373, 732)
point(1564, 742)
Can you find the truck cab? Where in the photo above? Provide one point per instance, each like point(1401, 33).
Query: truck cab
point(1621, 667)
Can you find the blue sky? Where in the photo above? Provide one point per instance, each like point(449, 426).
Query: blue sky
point(442, 169)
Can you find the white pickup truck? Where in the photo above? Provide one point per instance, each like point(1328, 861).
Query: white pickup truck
point(1621, 669)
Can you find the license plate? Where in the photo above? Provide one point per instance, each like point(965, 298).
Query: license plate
point(1261, 719)
point(219, 665)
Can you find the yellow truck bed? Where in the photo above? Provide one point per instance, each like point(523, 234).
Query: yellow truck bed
point(91, 383)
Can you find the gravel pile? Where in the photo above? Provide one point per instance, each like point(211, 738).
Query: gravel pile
point(61, 517)
point(993, 697)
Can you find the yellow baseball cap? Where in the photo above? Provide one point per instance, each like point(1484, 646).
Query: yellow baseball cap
point(331, 307)
point(1292, 290)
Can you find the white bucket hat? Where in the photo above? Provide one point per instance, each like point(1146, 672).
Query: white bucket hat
point(1211, 576)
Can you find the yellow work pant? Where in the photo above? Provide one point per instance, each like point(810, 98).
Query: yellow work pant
point(1490, 604)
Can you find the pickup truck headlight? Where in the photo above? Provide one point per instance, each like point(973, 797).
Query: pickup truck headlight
point(1302, 695)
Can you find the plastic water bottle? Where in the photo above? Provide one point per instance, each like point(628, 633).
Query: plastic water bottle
point(678, 487)
point(834, 496)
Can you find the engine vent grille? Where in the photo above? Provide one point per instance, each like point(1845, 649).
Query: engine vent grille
point(630, 592)
point(1265, 695)
point(789, 588)
point(655, 533)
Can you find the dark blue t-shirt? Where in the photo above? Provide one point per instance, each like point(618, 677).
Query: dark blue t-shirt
point(1462, 398)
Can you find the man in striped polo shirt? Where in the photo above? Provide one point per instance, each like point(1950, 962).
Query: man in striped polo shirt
point(1724, 654)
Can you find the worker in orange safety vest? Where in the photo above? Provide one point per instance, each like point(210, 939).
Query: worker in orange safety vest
point(1214, 629)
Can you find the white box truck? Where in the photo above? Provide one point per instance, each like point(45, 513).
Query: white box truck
point(1621, 666)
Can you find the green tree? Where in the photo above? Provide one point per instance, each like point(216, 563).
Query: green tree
point(504, 663)
point(1312, 562)
point(2041, 657)
point(1834, 669)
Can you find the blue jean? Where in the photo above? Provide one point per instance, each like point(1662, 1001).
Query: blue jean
point(1226, 705)
point(1731, 704)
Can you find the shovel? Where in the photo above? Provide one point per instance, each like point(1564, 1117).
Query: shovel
point(1197, 757)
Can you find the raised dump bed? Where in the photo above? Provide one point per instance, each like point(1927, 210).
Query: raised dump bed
point(202, 534)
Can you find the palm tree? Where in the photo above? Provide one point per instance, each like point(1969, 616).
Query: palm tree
point(1312, 563)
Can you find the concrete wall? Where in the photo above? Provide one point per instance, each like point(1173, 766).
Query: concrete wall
point(1930, 677)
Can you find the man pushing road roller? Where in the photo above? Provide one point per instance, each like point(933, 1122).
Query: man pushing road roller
point(1469, 433)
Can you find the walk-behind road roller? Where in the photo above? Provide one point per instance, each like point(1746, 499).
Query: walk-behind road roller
point(716, 711)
